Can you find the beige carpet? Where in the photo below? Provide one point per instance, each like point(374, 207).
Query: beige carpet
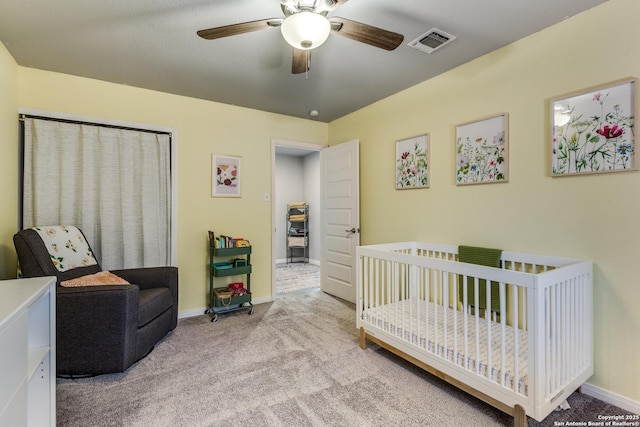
point(296, 276)
point(295, 362)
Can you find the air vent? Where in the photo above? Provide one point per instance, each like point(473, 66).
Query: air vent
point(432, 40)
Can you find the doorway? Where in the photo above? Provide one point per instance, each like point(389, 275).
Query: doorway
point(295, 179)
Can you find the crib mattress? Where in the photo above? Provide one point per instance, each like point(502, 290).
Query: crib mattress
point(422, 324)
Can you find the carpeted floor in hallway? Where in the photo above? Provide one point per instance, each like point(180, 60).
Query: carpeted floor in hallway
point(296, 276)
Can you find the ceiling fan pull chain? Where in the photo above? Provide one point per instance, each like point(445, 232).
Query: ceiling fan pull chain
point(308, 65)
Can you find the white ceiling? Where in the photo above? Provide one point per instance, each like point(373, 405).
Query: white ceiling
point(293, 151)
point(153, 44)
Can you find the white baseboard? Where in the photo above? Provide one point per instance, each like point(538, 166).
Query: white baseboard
point(261, 300)
point(191, 313)
point(200, 311)
point(611, 398)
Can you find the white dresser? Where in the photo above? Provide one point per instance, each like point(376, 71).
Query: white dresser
point(28, 352)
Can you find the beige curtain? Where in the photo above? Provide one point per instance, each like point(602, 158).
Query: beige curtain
point(113, 184)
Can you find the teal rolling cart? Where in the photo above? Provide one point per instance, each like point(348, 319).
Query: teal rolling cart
point(225, 262)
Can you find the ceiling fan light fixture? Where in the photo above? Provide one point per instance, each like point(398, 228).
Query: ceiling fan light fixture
point(305, 30)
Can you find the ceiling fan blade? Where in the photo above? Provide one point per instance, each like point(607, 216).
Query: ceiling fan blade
point(368, 34)
point(301, 61)
point(235, 29)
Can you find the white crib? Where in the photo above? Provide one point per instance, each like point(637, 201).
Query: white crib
point(414, 299)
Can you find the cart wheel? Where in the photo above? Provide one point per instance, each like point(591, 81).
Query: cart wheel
point(250, 311)
point(214, 318)
point(206, 311)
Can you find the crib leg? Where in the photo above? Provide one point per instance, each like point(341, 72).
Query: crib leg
point(520, 417)
point(363, 340)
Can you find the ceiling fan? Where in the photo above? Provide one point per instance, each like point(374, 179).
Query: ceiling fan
point(305, 27)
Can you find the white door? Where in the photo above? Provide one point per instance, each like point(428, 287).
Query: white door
point(340, 231)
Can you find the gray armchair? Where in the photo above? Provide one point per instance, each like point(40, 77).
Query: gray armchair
point(106, 328)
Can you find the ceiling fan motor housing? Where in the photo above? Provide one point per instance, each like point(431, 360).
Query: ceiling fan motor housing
point(322, 7)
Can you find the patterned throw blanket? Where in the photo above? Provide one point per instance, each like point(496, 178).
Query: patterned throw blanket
point(67, 247)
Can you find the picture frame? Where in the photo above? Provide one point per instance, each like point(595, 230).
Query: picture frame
point(412, 162)
point(592, 130)
point(482, 150)
point(226, 176)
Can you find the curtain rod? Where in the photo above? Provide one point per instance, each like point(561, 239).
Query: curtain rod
point(23, 116)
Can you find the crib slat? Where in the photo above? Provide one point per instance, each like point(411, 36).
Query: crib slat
point(424, 277)
point(575, 298)
point(553, 338)
point(550, 337)
point(400, 321)
point(455, 320)
point(565, 333)
point(487, 315)
point(397, 290)
point(524, 295)
point(417, 292)
point(559, 335)
point(548, 301)
point(364, 286)
point(389, 285)
point(406, 306)
point(503, 333)
point(516, 342)
point(465, 315)
point(436, 297)
point(476, 313)
point(407, 287)
point(371, 295)
point(366, 272)
point(393, 294)
point(427, 297)
point(366, 277)
point(558, 323)
point(445, 318)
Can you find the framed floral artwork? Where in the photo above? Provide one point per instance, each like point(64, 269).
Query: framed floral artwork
point(225, 172)
point(592, 131)
point(412, 162)
point(482, 151)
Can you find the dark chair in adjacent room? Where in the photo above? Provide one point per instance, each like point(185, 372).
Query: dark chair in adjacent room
point(100, 328)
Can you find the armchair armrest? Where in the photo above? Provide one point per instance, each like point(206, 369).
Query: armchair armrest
point(96, 328)
point(154, 277)
point(150, 277)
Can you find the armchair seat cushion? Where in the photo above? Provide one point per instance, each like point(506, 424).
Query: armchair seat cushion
point(152, 303)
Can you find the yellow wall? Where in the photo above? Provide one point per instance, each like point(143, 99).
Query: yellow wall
point(203, 128)
point(8, 162)
point(595, 217)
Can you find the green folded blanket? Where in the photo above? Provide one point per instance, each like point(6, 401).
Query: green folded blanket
point(480, 256)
